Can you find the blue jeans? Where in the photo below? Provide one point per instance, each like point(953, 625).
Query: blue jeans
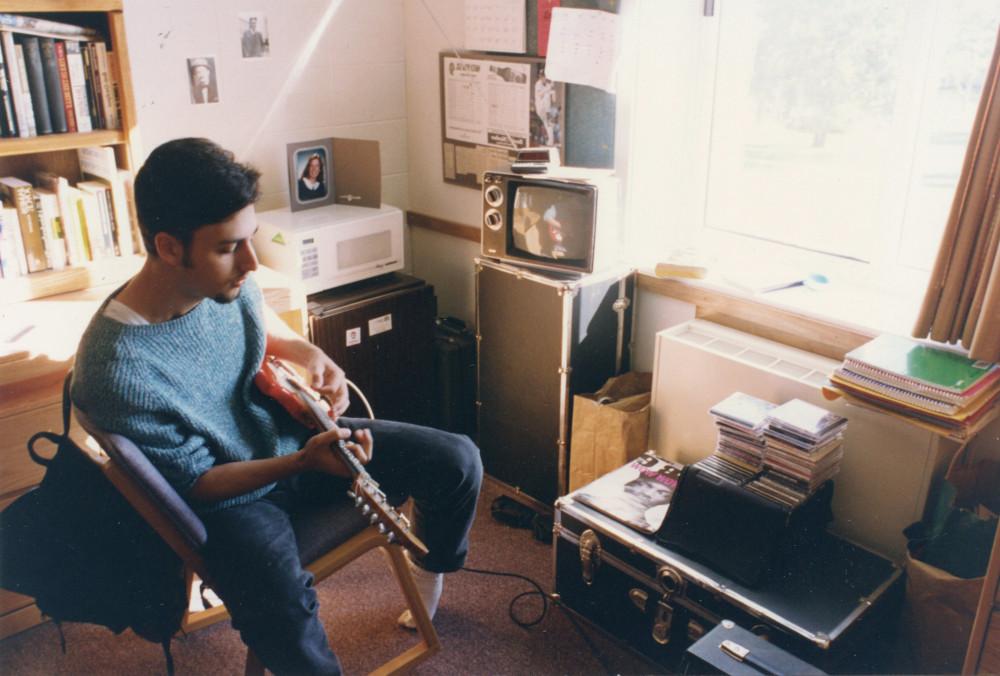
point(252, 557)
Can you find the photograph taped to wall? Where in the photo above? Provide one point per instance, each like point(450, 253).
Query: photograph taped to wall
point(254, 40)
point(310, 174)
point(493, 106)
point(202, 79)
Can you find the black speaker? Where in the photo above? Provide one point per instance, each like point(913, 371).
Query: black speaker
point(542, 339)
point(455, 372)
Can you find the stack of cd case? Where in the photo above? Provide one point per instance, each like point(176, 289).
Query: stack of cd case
point(804, 447)
point(782, 453)
point(741, 419)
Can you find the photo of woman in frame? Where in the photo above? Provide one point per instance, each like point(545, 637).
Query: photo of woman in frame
point(312, 178)
point(310, 175)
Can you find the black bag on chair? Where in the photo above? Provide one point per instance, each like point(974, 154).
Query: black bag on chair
point(77, 546)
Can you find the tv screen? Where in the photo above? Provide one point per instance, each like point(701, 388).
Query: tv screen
point(552, 223)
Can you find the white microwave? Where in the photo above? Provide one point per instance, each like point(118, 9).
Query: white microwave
point(330, 246)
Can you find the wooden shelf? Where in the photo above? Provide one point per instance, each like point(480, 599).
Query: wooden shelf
point(57, 142)
point(51, 282)
point(26, 6)
point(43, 314)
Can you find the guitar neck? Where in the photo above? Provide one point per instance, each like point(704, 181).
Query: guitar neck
point(280, 382)
point(324, 420)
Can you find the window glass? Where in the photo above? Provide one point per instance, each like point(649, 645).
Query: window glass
point(834, 127)
point(840, 127)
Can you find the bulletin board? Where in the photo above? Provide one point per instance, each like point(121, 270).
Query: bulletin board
point(492, 106)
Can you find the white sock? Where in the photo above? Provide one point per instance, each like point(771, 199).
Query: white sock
point(429, 586)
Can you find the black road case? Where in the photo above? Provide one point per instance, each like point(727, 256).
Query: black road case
point(832, 608)
point(542, 339)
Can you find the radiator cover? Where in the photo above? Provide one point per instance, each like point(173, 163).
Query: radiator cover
point(889, 465)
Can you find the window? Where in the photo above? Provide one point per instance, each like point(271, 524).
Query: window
point(817, 133)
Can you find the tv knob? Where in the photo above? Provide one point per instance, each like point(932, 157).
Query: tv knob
point(493, 195)
point(493, 219)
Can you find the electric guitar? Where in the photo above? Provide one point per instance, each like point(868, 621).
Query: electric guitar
point(281, 383)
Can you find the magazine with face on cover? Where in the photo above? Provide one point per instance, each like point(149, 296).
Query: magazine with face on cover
point(637, 494)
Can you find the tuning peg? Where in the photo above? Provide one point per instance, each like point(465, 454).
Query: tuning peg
point(373, 518)
point(351, 494)
point(365, 509)
point(391, 537)
point(358, 500)
point(381, 528)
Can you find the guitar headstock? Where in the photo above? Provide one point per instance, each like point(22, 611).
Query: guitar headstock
point(372, 502)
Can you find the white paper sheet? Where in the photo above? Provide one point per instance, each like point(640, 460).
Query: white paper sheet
point(495, 25)
point(583, 47)
point(486, 102)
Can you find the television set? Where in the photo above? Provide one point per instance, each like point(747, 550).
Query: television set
point(565, 223)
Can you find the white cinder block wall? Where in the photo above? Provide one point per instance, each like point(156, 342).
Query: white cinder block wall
point(433, 26)
point(335, 68)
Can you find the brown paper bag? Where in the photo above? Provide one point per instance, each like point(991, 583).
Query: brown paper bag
point(610, 427)
point(938, 616)
point(940, 606)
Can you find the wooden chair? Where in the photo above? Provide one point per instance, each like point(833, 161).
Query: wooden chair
point(329, 539)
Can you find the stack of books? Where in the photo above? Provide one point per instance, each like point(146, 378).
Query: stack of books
point(47, 223)
point(55, 78)
point(741, 420)
point(935, 387)
point(804, 447)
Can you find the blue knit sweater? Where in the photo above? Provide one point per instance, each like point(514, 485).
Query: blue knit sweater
point(183, 390)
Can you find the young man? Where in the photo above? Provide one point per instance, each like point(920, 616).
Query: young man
point(252, 41)
point(168, 361)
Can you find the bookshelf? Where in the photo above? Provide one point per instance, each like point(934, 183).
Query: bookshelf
point(57, 152)
point(52, 307)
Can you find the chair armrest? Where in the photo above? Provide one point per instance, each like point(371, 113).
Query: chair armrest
point(138, 467)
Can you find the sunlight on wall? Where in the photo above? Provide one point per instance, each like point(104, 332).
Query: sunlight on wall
point(308, 48)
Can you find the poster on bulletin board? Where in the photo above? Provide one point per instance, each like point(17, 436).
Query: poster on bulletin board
point(491, 107)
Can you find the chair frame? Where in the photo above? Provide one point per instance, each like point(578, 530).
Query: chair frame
point(95, 445)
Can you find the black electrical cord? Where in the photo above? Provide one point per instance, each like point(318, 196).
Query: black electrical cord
point(554, 598)
point(511, 607)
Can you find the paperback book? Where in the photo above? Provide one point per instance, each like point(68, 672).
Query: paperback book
point(636, 494)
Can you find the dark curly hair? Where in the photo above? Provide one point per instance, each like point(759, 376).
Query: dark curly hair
point(188, 183)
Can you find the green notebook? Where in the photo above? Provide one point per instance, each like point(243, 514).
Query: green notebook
point(909, 359)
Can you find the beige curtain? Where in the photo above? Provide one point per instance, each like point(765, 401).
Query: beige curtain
point(962, 302)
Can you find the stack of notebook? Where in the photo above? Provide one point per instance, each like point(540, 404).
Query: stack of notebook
point(935, 386)
point(804, 447)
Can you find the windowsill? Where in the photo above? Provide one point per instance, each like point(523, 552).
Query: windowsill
point(858, 300)
point(830, 321)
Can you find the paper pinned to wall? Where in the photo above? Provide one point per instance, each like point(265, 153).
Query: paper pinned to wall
point(583, 47)
point(495, 25)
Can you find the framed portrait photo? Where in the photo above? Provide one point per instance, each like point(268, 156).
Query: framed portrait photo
point(310, 174)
